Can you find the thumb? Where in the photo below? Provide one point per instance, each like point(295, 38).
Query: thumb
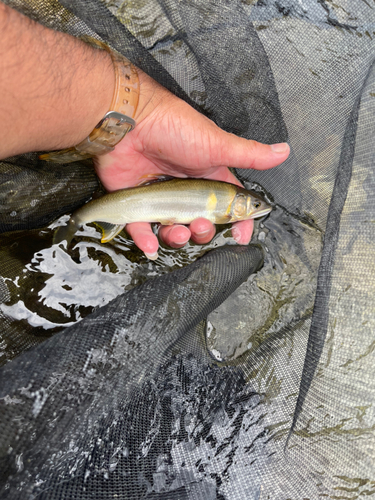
point(237, 152)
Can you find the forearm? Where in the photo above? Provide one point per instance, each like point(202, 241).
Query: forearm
point(54, 88)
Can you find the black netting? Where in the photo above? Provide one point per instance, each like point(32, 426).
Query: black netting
point(33, 193)
point(106, 355)
point(213, 378)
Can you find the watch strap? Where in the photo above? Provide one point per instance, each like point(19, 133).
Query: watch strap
point(116, 123)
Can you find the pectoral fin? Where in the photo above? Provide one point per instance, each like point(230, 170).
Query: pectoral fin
point(167, 222)
point(109, 231)
point(224, 219)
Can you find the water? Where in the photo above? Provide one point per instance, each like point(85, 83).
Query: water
point(52, 287)
point(278, 296)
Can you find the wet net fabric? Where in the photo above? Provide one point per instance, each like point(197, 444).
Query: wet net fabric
point(238, 373)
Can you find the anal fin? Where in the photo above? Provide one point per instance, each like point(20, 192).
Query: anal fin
point(109, 231)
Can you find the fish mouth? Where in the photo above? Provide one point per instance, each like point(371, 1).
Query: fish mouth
point(261, 213)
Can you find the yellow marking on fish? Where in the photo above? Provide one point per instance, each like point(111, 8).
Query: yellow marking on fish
point(211, 202)
point(229, 208)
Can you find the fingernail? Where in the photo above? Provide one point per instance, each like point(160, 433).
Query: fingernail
point(202, 233)
point(176, 241)
point(152, 256)
point(281, 147)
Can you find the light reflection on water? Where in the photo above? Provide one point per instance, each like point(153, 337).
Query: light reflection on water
point(55, 286)
point(52, 287)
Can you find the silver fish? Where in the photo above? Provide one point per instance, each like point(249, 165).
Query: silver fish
point(177, 201)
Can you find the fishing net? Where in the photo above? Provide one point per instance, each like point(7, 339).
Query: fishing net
point(218, 371)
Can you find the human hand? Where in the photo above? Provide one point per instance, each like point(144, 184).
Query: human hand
point(172, 138)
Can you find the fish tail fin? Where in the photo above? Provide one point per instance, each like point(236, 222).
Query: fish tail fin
point(65, 232)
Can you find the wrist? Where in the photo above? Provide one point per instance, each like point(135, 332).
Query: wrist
point(54, 88)
point(98, 90)
point(116, 122)
point(81, 103)
point(88, 99)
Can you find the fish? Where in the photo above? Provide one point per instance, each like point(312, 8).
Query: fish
point(176, 201)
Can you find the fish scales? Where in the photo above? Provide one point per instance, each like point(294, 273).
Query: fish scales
point(180, 200)
point(177, 201)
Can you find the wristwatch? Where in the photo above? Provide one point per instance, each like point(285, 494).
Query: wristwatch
point(116, 123)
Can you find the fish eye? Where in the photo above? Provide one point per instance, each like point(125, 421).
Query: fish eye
point(256, 204)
